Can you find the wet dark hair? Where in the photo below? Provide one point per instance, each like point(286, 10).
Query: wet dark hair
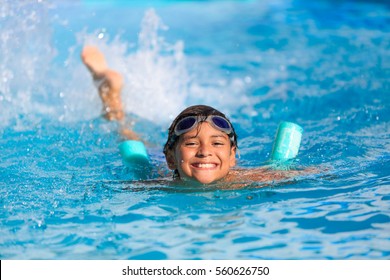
point(196, 110)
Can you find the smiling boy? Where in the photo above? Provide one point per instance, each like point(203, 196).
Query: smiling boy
point(202, 143)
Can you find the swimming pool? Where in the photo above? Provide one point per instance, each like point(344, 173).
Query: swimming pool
point(64, 192)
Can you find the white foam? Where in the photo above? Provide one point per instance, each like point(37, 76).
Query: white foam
point(155, 74)
point(25, 58)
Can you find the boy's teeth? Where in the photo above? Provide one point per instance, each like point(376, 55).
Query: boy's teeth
point(205, 165)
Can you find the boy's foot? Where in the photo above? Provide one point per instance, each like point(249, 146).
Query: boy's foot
point(109, 82)
point(94, 59)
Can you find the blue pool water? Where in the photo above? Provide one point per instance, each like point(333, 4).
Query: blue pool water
point(65, 194)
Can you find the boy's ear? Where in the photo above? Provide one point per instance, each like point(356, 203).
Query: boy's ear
point(233, 156)
point(170, 158)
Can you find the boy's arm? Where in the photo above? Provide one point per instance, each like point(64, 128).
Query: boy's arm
point(267, 174)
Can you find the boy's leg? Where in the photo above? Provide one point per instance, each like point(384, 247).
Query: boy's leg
point(109, 84)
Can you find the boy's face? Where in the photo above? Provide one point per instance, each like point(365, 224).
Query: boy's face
point(203, 154)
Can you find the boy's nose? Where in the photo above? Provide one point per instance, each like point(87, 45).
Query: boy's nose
point(204, 151)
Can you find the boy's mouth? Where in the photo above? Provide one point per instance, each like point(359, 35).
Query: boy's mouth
point(204, 165)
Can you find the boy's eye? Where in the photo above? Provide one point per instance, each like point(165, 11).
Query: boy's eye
point(218, 143)
point(190, 143)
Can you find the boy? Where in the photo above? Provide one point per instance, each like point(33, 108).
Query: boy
point(202, 144)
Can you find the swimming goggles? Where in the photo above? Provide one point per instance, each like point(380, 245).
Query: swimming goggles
point(188, 123)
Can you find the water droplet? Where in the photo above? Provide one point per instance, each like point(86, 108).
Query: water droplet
point(101, 34)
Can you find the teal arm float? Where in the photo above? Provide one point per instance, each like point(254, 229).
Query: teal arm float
point(286, 146)
point(136, 158)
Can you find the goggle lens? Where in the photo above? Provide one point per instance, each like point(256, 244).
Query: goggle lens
point(184, 125)
point(221, 123)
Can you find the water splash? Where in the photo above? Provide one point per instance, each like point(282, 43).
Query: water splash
point(26, 52)
point(33, 83)
point(155, 74)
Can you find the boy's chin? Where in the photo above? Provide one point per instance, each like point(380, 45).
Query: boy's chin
point(201, 180)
